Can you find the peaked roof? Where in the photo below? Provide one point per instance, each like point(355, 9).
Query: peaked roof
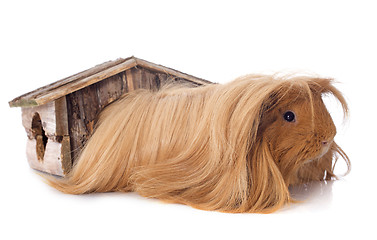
point(90, 76)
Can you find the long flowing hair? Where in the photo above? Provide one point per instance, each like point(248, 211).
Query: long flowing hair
point(198, 146)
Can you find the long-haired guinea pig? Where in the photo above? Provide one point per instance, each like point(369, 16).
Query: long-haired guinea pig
point(235, 147)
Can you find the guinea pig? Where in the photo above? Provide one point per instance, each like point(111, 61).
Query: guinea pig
point(233, 147)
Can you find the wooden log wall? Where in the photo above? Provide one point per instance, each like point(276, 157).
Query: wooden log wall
point(48, 147)
point(83, 106)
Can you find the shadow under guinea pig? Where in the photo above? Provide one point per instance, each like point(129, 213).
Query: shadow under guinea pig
point(313, 195)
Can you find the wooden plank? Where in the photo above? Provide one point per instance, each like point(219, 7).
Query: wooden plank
point(158, 80)
point(84, 106)
point(84, 82)
point(66, 159)
point(44, 146)
point(67, 80)
point(136, 77)
point(51, 162)
point(109, 89)
point(66, 86)
point(83, 79)
point(61, 117)
point(47, 115)
point(143, 79)
point(160, 68)
point(149, 79)
point(77, 130)
point(130, 82)
point(162, 77)
point(90, 106)
point(124, 83)
point(186, 83)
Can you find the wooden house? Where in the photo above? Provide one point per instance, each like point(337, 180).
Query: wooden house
point(60, 117)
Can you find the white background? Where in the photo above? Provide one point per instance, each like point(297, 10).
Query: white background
point(43, 41)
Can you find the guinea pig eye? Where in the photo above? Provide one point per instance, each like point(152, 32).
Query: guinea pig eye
point(289, 116)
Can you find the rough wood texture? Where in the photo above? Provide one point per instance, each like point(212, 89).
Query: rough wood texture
point(59, 118)
point(84, 106)
point(52, 159)
point(75, 82)
point(169, 71)
point(91, 76)
point(111, 89)
point(47, 146)
point(129, 80)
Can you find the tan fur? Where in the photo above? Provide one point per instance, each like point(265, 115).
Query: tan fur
point(218, 147)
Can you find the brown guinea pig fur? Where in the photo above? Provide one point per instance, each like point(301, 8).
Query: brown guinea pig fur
point(235, 147)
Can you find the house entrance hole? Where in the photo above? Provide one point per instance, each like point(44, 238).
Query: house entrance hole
point(39, 135)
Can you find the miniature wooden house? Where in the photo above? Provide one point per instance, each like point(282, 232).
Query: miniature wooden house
point(59, 118)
